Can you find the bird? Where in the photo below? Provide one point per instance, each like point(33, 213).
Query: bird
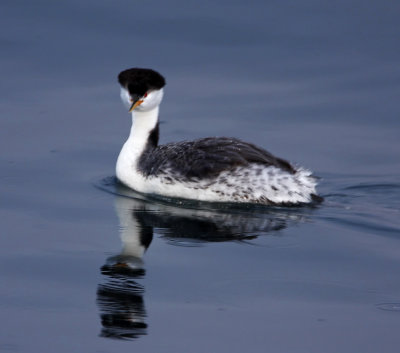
point(211, 169)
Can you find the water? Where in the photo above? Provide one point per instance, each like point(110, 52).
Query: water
point(315, 82)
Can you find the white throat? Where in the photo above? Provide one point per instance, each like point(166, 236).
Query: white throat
point(143, 122)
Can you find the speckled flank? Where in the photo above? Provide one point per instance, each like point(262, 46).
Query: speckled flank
point(254, 184)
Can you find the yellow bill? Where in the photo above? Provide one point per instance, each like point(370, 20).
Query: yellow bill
point(135, 104)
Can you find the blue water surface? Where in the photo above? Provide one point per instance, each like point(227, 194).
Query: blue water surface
point(87, 265)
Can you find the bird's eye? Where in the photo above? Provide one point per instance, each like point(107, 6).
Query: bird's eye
point(145, 95)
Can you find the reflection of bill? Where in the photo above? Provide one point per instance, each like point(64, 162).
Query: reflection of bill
point(120, 299)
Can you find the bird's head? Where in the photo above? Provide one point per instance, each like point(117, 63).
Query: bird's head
point(141, 89)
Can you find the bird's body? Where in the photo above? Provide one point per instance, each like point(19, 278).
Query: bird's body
point(215, 169)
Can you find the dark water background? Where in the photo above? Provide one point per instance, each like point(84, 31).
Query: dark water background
point(316, 82)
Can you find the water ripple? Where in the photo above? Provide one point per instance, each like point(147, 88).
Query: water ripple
point(389, 306)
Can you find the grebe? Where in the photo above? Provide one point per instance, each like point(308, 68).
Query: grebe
point(215, 169)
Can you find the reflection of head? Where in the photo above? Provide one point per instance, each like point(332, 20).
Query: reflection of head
point(122, 309)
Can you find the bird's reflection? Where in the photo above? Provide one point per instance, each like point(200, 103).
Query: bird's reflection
point(120, 297)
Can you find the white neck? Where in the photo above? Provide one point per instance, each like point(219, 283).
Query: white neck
point(143, 122)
